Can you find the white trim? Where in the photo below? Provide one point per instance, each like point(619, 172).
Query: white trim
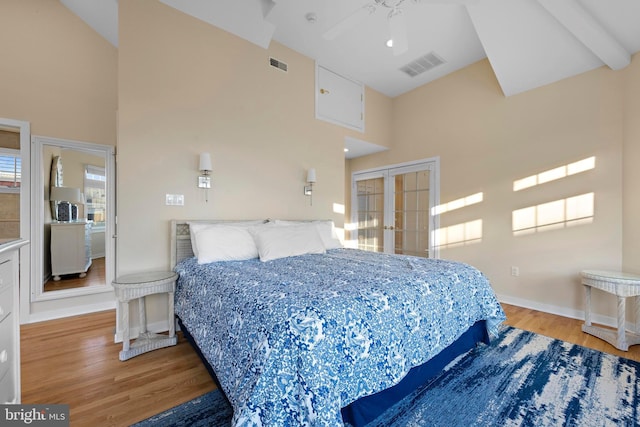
point(74, 292)
point(432, 164)
point(72, 311)
point(37, 184)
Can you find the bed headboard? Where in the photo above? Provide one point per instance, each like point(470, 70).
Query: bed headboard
point(181, 237)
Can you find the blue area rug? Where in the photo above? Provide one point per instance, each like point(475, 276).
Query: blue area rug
point(521, 379)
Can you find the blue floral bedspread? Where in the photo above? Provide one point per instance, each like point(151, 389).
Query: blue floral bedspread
point(295, 339)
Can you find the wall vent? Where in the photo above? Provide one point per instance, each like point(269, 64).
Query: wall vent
point(422, 64)
point(278, 64)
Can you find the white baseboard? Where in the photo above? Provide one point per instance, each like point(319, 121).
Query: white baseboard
point(562, 311)
point(71, 311)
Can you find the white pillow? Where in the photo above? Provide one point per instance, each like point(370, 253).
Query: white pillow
point(225, 243)
point(326, 229)
point(194, 227)
point(287, 240)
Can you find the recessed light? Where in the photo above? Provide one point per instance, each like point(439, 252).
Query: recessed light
point(389, 43)
point(346, 150)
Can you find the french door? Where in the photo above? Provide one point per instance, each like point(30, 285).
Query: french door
point(393, 208)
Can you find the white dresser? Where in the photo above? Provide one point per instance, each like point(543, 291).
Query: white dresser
point(9, 321)
point(70, 248)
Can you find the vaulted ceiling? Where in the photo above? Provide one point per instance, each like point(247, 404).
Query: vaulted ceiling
point(529, 43)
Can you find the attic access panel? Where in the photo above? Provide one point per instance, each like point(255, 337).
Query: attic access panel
point(339, 100)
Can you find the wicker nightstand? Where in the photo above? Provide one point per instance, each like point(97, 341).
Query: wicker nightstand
point(622, 285)
point(138, 286)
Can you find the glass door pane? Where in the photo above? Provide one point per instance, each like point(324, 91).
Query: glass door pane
point(411, 213)
point(393, 208)
point(370, 194)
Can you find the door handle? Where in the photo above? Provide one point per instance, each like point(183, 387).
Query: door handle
point(323, 91)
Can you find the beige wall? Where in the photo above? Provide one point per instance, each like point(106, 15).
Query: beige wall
point(185, 88)
point(486, 141)
point(57, 73)
point(60, 76)
point(631, 151)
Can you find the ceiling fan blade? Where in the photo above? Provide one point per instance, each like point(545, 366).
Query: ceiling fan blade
point(398, 32)
point(349, 22)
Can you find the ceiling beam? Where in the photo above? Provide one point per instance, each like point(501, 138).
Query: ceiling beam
point(245, 19)
point(589, 31)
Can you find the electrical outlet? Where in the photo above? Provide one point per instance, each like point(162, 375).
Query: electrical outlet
point(174, 200)
point(515, 271)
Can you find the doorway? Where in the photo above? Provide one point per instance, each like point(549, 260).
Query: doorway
point(394, 208)
point(23, 129)
point(10, 183)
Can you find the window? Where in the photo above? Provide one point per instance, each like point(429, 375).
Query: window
point(95, 195)
point(10, 170)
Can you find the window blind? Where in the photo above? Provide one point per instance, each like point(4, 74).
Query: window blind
point(10, 168)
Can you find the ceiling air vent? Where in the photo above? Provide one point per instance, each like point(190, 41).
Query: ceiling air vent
point(278, 64)
point(422, 64)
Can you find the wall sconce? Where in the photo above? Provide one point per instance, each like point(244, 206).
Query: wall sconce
point(204, 179)
point(311, 179)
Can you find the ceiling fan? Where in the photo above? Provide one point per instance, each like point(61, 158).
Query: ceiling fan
point(397, 24)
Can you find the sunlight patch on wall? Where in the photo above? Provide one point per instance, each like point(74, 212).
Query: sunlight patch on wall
point(459, 234)
point(458, 203)
point(338, 208)
point(554, 215)
point(555, 174)
point(350, 235)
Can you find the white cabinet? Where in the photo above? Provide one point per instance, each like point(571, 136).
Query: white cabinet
point(339, 100)
point(70, 248)
point(9, 322)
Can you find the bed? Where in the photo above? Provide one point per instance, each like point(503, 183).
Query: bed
point(305, 332)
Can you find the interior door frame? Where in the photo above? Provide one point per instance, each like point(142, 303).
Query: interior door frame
point(387, 172)
point(24, 128)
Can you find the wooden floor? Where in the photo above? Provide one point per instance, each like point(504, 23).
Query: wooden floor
point(95, 276)
point(75, 361)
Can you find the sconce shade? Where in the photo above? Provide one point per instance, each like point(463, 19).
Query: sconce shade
point(311, 175)
point(205, 162)
point(66, 194)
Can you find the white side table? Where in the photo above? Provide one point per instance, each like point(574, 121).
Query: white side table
point(138, 286)
point(623, 285)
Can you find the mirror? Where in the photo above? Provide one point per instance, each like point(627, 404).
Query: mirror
point(75, 216)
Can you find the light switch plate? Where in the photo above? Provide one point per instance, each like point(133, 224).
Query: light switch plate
point(175, 199)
